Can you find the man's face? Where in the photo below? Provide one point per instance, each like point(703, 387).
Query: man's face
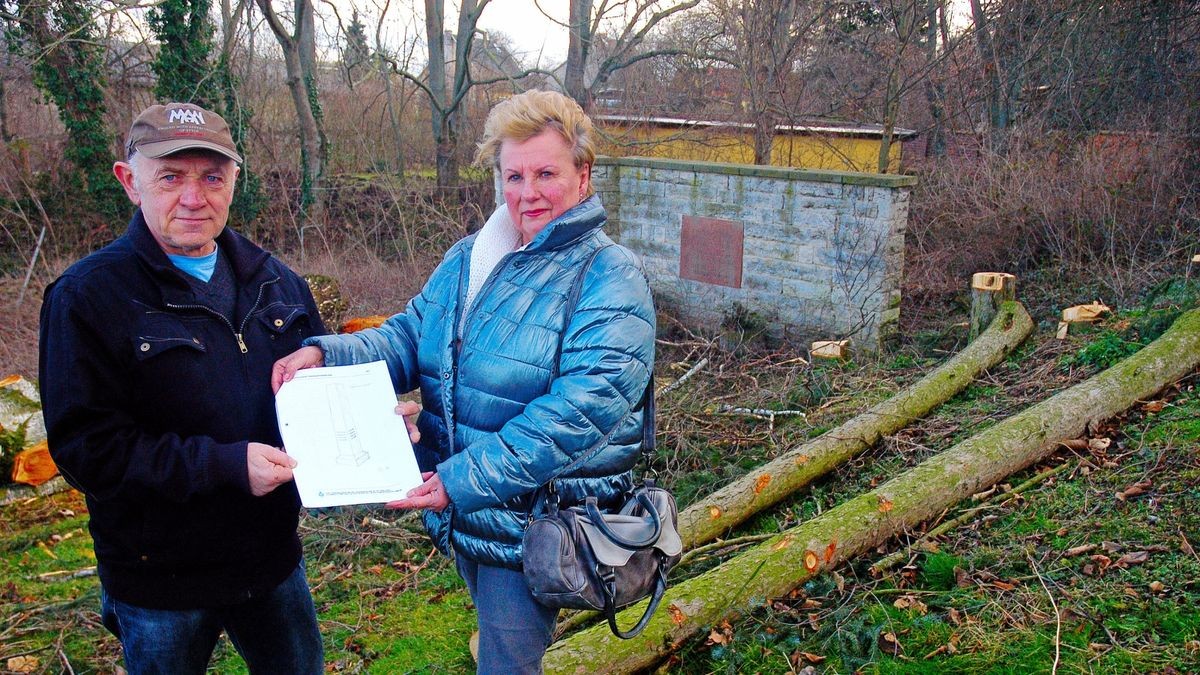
point(184, 197)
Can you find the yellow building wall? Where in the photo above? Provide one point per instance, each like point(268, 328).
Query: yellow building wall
point(806, 151)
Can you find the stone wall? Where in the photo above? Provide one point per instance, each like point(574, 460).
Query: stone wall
point(809, 254)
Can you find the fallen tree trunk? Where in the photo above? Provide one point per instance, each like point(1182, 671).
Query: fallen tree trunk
point(792, 557)
point(774, 481)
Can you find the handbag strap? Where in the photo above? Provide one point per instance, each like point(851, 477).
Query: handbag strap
point(610, 609)
point(648, 423)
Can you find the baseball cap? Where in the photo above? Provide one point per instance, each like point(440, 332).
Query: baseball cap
point(161, 130)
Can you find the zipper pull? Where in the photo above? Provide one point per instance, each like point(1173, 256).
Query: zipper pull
point(241, 343)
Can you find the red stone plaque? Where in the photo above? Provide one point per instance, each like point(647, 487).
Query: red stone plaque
point(710, 250)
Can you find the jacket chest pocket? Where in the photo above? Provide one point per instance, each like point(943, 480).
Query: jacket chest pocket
point(168, 351)
point(285, 325)
point(158, 334)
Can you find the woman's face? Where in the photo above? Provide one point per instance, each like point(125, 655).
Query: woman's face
point(541, 181)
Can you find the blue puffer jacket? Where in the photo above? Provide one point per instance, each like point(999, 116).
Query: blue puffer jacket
point(494, 424)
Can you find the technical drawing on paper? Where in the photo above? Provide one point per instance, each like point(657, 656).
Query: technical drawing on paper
point(345, 432)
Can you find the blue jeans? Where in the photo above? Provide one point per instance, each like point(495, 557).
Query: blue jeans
point(275, 633)
point(514, 629)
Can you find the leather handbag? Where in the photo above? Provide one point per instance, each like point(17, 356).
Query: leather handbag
point(583, 558)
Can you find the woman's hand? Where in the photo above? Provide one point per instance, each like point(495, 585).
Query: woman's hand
point(285, 369)
point(428, 495)
point(409, 410)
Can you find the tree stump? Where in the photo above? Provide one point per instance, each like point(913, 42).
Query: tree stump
point(988, 291)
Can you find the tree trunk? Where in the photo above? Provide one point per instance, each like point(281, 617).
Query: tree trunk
point(435, 31)
point(935, 90)
point(789, 559)
point(991, 68)
point(577, 52)
point(989, 290)
point(302, 85)
point(711, 516)
point(891, 106)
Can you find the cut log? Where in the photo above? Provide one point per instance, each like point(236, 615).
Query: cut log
point(989, 290)
point(830, 349)
point(792, 557)
point(765, 486)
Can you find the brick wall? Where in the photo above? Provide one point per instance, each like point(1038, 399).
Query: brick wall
point(811, 254)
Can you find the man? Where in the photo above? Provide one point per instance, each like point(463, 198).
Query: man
point(155, 365)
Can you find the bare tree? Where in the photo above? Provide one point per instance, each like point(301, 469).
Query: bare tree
point(633, 22)
point(300, 60)
point(768, 41)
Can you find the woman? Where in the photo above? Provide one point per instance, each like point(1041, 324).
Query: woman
point(515, 392)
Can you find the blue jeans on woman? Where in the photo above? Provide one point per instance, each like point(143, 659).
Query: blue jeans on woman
point(514, 629)
point(275, 633)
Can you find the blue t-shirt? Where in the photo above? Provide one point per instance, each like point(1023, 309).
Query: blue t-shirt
point(200, 267)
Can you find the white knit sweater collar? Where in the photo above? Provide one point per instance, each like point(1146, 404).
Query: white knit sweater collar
point(498, 237)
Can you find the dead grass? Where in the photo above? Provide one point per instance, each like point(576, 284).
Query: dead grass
point(19, 329)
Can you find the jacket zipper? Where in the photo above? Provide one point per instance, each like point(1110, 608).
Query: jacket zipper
point(240, 331)
point(456, 340)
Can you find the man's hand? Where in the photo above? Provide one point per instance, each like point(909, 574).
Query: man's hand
point(285, 369)
point(429, 495)
point(409, 410)
point(269, 467)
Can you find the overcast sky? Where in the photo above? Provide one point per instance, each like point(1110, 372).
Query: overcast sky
point(531, 32)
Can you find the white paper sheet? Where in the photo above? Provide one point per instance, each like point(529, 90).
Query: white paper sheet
point(341, 426)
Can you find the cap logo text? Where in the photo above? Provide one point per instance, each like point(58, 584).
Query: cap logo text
point(180, 115)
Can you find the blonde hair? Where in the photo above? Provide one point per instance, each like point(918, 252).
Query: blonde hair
point(528, 114)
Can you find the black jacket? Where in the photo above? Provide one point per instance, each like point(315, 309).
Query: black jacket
point(150, 400)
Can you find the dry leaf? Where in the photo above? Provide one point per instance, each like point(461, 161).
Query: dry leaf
point(962, 578)
point(814, 620)
point(1134, 490)
point(1079, 550)
point(1004, 585)
point(1132, 558)
point(1099, 444)
point(812, 658)
point(910, 602)
point(810, 603)
point(1185, 545)
point(889, 644)
point(955, 616)
point(840, 582)
point(1099, 647)
point(717, 638)
point(1153, 406)
point(1157, 587)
